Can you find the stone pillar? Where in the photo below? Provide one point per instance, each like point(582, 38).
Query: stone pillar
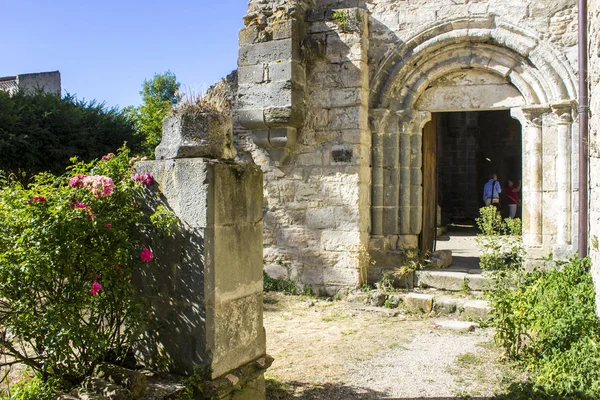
point(563, 111)
point(531, 122)
point(204, 285)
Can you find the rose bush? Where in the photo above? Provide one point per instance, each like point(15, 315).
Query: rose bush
point(68, 245)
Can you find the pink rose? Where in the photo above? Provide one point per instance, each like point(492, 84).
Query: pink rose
point(77, 181)
point(144, 179)
point(146, 255)
point(109, 226)
point(96, 287)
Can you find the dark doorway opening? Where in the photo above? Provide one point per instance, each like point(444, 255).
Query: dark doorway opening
point(460, 151)
point(471, 146)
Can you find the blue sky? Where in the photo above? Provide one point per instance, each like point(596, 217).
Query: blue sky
point(105, 49)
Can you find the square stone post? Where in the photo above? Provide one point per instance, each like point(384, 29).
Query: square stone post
point(204, 285)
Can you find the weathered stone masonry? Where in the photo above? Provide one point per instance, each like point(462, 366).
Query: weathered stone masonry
point(333, 97)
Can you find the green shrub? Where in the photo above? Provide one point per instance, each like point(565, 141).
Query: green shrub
point(32, 389)
point(40, 132)
point(499, 240)
point(279, 285)
point(68, 245)
point(543, 318)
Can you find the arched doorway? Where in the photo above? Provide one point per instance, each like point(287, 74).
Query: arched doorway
point(455, 68)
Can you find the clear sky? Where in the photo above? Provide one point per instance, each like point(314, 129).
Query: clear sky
point(105, 49)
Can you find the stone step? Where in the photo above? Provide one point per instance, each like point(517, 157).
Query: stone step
point(453, 281)
point(438, 303)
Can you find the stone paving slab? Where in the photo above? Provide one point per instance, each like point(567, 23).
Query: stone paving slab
point(457, 326)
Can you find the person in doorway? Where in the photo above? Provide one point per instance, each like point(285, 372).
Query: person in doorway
point(491, 191)
point(512, 194)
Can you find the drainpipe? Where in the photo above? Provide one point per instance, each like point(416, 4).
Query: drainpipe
point(583, 129)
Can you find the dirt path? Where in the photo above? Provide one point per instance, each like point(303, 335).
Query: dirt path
point(331, 350)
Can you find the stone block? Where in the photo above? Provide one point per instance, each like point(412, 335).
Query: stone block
point(440, 259)
point(477, 282)
point(339, 241)
point(204, 285)
point(477, 309)
point(134, 381)
point(457, 326)
point(378, 298)
point(417, 302)
point(445, 305)
point(258, 53)
point(106, 389)
point(189, 134)
point(345, 118)
point(443, 280)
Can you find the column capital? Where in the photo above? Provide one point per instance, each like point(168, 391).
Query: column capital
point(378, 119)
point(564, 111)
point(530, 115)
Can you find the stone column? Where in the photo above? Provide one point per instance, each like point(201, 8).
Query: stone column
point(405, 125)
point(416, 172)
point(204, 285)
point(378, 126)
point(531, 121)
point(563, 112)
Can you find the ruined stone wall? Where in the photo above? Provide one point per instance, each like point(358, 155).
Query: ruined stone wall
point(316, 199)
point(594, 82)
point(309, 74)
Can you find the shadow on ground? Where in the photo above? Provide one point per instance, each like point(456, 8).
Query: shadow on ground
point(335, 391)
point(338, 391)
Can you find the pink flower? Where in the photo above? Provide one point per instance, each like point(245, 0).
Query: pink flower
point(146, 255)
point(77, 181)
point(109, 226)
point(96, 287)
point(80, 205)
point(107, 157)
point(99, 185)
point(144, 179)
point(36, 199)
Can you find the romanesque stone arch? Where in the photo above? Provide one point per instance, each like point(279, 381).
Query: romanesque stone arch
point(537, 84)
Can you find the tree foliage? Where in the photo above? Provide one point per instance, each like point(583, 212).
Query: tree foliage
point(159, 95)
point(40, 132)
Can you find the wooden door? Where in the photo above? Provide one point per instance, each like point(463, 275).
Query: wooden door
point(429, 169)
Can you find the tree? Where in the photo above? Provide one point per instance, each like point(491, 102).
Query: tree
point(159, 95)
point(41, 132)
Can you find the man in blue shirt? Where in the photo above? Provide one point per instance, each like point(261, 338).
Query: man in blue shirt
point(491, 191)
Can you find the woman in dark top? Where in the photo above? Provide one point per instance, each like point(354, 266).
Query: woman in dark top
point(513, 198)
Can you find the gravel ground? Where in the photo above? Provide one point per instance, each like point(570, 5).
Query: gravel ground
point(331, 350)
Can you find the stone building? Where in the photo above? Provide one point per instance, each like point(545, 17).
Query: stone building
point(47, 81)
point(365, 116)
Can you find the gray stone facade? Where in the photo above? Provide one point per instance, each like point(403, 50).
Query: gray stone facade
point(334, 95)
point(49, 82)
